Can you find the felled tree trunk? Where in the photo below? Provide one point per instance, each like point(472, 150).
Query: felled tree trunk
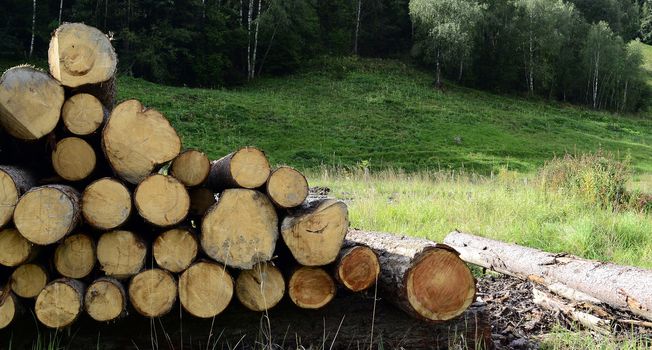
point(311, 287)
point(162, 200)
point(28, 280)
point(73, 159)
point(121, 254)
point(105, 300)
point(357, 268)
point(245, 168)
point(153, 292)
point(106, 204)
point(205, 289)
point(8, 308)
point(14, 181)
point(175, 250)
point(60, 303)
point(287, 187)
point(75, 256)
point(83, 114)
point(260, 288)
point(191, 168)
point(14, 248)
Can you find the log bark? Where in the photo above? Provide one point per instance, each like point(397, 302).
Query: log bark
point(162, 200)
point(73, 159)
point(121, 254)
point(241, 229)
point(191, 168)
point(106, 92)
point(205, 289)
point(30, 102)
point(425, 279)
point(60, 303)
point(28, 280)
point(136, 140)
point(311, 287)
point(175, 250)
point(14, 181)
point(44, 215)
point(106, 204)
point(357, 268)
point(75, 256)
point(201, 199)
point(15, 249)
point(260, 288)
point(83, 114)
point(622, 287)
point(314, 232)
point(246, 168)
point(153, 292)
point(569, 313)
point(287, 187)
point(105, 300)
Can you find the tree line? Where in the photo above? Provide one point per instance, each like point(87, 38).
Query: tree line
point(578, 51)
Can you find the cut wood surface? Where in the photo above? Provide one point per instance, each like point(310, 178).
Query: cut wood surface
point(287, 187)
point(8, 308)
point(162, 200)
point(44, 215)
point(60, 303)
point(622, 287)
point(241, 229)
point(561, 308)
point(106, 204)
point(121, 254)
point(81, 55)
point(311, 287)
point(75, 256)
point(175, 250)
point(30, 102)
point(423, 278)
point(201, 199)
point(260, 288)
point(153, 292)
point(136, 140)
point(28, 280)
point(82, 114)
point(247, 168)
point(205, 289)
point(73, 159)
point(14, 248)
point(105, 300)
point(14, 181)
point(315, 231)
point(357, 268)
point(191, 168)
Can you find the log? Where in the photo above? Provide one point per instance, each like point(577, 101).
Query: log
point(175, 250)
point(73, 159)
point(105, 300)
point(191, 168)
point(30, 102)
point(106, 204)
point(314, 232)
point(44, 215)
point(8, 308)
point(14, 181)
point(153, 292)
point(15, 249)
point(357, 268)
point(260, 288)
point(83, 114)
point(121, 254)
point(622, 287)
point(425, 279)
point(28, 280)
point(60, 303)
point(201, 199)
point(136, 140)
point(162, 200)
point(311, 287)
point(560, 307)
point(241, 229)
point(287, 187)
point(245, 168)
point(205, 289)
point(75, 256)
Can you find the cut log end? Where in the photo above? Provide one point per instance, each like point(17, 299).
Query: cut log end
point(201, 199)
point(260, 288)
point(121, 254)
point(205, 289)
point(175, 250)
point(440, 285)
point(358, 268)
point(82, 114)
point(106, 204)
point(311, 288)
point(247, 168)
point(287, 187)
point(30, 102)
point(75, 256)
point(81, 55)
point(73, 159)
point(28, 280)
point(162, 200)
point(8, 197)
point(44, 215)
point(7, 310)
point(153, 292)
point(105, 300)
point(15, 249)
point(60, 303)
point(191, 168)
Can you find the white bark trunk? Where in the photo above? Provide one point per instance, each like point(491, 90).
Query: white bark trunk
point(357, 28)
point(253, 61)
point(60, 10)
point(31, 44)
point(249, 14)
point(531, 73)
point(596, 75)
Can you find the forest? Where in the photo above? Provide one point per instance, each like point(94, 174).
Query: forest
point(576, 51)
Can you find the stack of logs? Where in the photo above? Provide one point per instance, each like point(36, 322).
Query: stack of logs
point(102, 213)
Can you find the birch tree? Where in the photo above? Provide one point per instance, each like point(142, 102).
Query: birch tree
point(31, 43)
point(357, 28)
point(600, 55)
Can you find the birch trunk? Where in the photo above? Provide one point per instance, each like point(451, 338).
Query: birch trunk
point(596, 74)
point(31, 44)
point(253, 60)
point(249, 14)
point(60, 10)
point(357, 28)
